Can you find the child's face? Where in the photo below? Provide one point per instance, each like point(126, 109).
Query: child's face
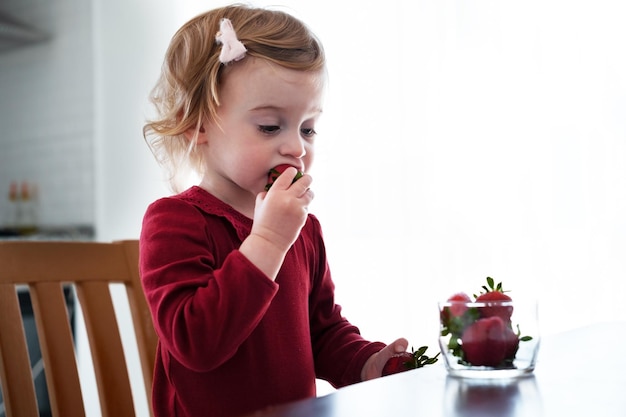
point(267, 117)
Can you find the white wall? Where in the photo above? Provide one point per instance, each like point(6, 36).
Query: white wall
point(129, 39)
point(46, 114)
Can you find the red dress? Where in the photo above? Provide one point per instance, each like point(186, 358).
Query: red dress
point(232, 341)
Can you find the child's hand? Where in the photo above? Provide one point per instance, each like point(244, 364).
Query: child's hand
point(373, 368)
point(279, 215)
point(281, 212)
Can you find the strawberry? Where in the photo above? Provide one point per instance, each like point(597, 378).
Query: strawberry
point(459, 300)
point(275, 172)
point(511, 344)
point(494, 297)
point(398, 363)
point(406, 361)
point(484, 342)
point(456, 309)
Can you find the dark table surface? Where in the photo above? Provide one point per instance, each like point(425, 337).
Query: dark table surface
point(581, 372)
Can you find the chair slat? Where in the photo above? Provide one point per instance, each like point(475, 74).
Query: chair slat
point(144, 329)
point(106, 348)
point(15, 372)
point(57, 349)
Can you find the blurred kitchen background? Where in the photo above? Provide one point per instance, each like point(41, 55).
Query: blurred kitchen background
point(460, 140)
point(74, 77)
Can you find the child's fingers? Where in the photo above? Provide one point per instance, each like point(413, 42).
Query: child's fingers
point(302, 186)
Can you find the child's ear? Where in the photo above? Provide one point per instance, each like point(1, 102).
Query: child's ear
point(199, 132)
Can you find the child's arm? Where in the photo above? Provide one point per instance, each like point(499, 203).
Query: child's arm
point(194, 279)
point(279, 216)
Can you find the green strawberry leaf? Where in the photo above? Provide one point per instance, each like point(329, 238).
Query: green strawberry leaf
point(420, 359)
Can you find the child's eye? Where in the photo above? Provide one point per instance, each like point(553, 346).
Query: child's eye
point(308, 132)
point(269, 129)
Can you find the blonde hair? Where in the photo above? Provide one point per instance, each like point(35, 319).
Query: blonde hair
point(188, 89)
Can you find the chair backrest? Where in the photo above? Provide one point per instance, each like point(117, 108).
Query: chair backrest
point(45, 269)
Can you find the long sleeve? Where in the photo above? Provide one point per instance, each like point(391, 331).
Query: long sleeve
point(192, 294)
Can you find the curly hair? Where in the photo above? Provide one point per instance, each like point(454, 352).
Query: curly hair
point(188, 89)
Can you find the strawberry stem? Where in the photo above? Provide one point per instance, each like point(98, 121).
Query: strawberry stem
point(491, 287)
point(420, 359)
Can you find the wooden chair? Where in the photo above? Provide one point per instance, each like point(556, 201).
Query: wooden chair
point(46, 268)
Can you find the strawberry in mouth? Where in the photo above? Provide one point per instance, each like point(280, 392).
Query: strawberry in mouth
point(275, 172)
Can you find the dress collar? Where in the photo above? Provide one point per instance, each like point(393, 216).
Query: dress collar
point(210, 204)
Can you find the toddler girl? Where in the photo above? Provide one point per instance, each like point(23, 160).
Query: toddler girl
point(236, 276)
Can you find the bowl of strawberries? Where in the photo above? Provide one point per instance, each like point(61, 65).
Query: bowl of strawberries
point(489, 335)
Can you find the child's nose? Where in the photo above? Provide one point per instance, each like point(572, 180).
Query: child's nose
point(293, 145)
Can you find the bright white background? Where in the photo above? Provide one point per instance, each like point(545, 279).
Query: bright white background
point(460, 140)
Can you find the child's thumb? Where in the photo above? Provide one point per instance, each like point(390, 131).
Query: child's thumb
point(400, 345)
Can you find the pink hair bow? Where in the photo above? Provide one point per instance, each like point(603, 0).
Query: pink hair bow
point(232, 48)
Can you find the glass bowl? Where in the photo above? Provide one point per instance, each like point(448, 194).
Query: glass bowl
point(494, 339)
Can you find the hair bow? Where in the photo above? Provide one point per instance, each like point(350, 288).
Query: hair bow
point(232, 48)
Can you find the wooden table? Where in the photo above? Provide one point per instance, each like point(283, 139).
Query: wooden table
point(579, 373)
